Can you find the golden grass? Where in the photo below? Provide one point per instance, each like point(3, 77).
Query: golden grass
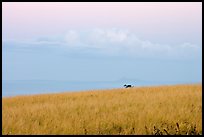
point(173, 109)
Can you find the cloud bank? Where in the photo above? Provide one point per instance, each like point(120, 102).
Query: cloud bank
point(110, 42)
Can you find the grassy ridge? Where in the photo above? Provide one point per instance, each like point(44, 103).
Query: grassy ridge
point(144, 110)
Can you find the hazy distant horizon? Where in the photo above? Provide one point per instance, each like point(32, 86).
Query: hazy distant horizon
point(116, 80)
point(33, 87)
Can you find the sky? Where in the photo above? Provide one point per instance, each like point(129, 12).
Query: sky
point(96, 41)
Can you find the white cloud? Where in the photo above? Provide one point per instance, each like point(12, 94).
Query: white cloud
point(71, 37)
point(188, 45)
point(115, 42)
point(117, 35)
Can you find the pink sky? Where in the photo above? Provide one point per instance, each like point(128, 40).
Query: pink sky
point(44, 18)
point(163, 41)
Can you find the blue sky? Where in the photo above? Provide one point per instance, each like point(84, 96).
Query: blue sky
point(102, 42)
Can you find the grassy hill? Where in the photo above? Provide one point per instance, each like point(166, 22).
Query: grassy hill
point(173, 109)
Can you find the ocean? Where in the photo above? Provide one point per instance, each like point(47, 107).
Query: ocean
point(30, 87)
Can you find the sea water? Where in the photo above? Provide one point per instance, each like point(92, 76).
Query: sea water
point(30, 87)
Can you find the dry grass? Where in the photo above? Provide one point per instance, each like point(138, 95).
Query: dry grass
point(144, 110)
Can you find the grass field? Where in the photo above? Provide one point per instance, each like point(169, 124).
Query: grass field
point(175, 109)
